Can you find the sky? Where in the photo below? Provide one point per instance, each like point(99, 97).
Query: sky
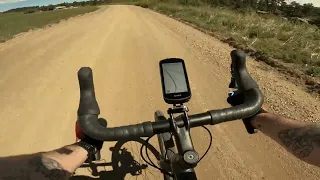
point(10, 4)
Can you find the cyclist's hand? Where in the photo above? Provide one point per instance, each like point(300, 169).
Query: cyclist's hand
point(83, 137)
point(236, 98)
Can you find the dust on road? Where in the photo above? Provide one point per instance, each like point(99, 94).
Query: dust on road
point(123, 45)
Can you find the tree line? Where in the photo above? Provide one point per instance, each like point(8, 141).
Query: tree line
point(278, 7)
point(32, 9)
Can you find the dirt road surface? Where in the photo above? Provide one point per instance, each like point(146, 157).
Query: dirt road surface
point(123, 45)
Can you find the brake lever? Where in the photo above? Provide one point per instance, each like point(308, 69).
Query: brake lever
point(233, 84)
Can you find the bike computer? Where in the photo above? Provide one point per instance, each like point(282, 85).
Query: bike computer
point(174, 79)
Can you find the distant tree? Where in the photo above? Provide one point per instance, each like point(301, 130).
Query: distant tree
point(226, 2)
point(273, 6)
point(75, 3)
point(282, 5)
point(307, 9)
point(262, 5)
point(294, 10)
point(30, 11)
point(50, 7)
point(43, 8)
point(239, 4)
point(253, 4)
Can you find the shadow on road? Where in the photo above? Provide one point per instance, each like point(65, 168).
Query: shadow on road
point(123, 163)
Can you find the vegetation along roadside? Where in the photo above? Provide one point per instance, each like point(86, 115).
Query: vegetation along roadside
point(293, 47)
point(13, 23)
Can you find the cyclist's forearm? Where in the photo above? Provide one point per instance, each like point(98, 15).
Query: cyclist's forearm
point(53, 165)
point(301, 139)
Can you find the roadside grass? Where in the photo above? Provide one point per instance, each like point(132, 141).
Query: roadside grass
point(262, 35)
point(12, 24)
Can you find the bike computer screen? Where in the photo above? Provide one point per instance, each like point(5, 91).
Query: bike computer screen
point(174, 79)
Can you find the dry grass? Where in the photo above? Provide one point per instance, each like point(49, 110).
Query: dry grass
point(15, 23)
point(269, 35)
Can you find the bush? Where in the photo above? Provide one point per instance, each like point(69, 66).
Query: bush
point(30, 11)
point(313, 71)
point(143, 5)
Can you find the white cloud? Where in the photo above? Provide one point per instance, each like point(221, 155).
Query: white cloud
point(10, 1)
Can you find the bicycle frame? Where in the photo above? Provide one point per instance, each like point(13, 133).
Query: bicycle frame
point(182, 163)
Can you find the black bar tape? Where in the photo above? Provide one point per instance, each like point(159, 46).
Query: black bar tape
point(195, 121)
point(89, 110)
point(253, 101)
point(88, 103)
point(92, 128)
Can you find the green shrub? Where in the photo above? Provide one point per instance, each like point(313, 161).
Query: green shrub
point(30, 11)
point(313, 71)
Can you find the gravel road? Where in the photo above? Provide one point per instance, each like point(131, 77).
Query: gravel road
point(123, 45)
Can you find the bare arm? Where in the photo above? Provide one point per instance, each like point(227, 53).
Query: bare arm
point(54, 165)
point(300, 139)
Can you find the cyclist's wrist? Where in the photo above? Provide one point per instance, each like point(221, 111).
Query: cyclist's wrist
point(89, 148)
point(255, 121)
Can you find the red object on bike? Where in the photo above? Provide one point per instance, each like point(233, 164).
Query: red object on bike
point(264, 108)
point(79, 132)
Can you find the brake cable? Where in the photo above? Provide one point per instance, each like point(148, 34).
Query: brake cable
point(152, 164)
point(210, 143)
